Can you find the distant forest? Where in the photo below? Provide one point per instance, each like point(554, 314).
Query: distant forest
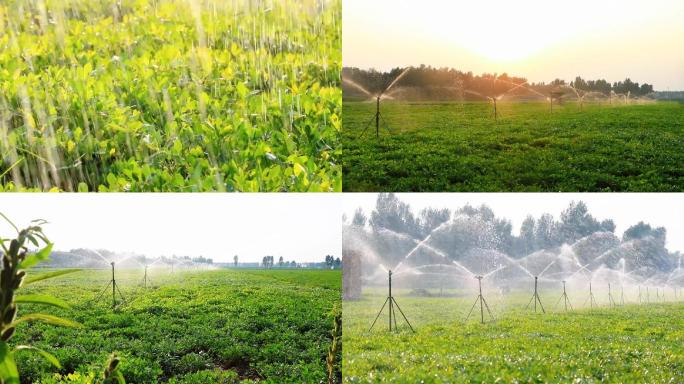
point(642, 245)
point(426, 82)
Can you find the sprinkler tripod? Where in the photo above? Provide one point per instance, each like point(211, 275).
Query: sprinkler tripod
point(377, 118)
point(564, 297)
point(483, 303)
point(591, 299)
point(145, 278)
point(115, 289)
point(392, 314)
point(535, 298)
point(611, 301)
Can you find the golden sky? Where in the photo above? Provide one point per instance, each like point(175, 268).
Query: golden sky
point(540, 40)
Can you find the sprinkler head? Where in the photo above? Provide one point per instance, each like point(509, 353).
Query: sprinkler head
point(112, 263)
point(479, 277)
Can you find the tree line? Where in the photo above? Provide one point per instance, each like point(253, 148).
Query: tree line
point(451, 83)
point(268, 262)
point(483, 229)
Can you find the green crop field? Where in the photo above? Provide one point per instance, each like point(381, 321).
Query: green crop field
point(222, 326)
point(170, 95)
point(625, 344)
point(455, 147)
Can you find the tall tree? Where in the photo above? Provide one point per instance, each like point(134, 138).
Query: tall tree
point(393, 214)
point(527, 235)
point(359, 219)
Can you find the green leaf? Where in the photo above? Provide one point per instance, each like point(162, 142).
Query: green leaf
point(46, 355)
point(36, 258)
point(8, 368)
point(42, 299)
point(48, 275)
point(50, 319)
point(82, 187)
point(242, 90)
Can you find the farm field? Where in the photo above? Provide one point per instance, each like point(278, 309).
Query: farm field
point(223, 326)
point(631, 343)
point(170, 95)
point(447, 146)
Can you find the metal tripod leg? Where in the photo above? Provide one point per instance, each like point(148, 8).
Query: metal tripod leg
point(367, 126)
point(386, 125)
point(472, 308)
point(488, 310)
point(120, 294)
point(378, 316)
point(103, 291)
point(404, 316)
point(540, 304)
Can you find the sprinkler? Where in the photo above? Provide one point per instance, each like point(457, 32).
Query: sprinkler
point(610, 297)
point(535, 298)
point(115, 289)
point(375, 117)
point(482, 301)
point(591, 298)
point(378, 96)
point(145, 278)
point(392, 314)
point(564, 297)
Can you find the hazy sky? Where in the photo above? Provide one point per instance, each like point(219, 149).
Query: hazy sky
point(626, 209)
point(301, 227)
point(537, 39)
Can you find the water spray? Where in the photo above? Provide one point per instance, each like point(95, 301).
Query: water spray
point(392, 314)
point(482, 301)
point(564, 297)
point(535, 297)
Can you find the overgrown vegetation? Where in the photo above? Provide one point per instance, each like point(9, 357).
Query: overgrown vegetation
point(170, 95)
point(219, 326)
point(459, 147)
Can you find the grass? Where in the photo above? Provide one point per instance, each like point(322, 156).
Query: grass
point(450, 147)
point(170, 95)
point(224, 326)
point(616, 345)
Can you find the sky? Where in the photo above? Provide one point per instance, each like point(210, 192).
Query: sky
point(300, 227)
point(625, 209)
point(537, 39)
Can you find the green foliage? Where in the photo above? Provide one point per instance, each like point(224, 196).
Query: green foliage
point(170, 95)
point(15, 259)
point(223, 326)
point(630, 344)
point(449, 147)
point(332, 360)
